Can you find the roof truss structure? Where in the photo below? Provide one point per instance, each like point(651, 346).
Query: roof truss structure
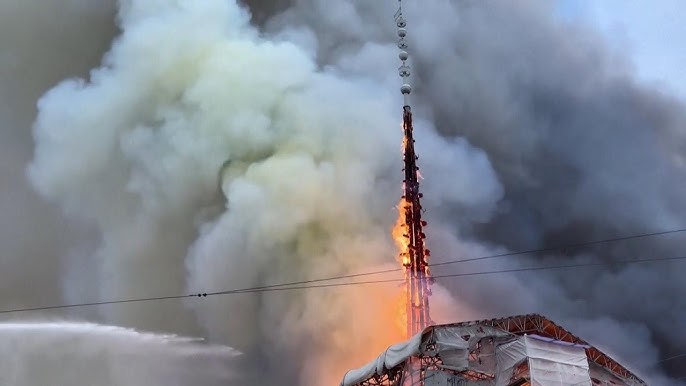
point(539, 325)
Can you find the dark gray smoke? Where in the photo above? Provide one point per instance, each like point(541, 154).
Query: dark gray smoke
point(583, 151)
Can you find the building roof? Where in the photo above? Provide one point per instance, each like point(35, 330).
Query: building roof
point(460, 336)
point(540, 325)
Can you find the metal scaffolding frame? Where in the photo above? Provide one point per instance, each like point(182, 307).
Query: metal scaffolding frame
point(532, 324)
point(540, 325)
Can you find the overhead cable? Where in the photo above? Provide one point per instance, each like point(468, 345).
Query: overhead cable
point(295, 286)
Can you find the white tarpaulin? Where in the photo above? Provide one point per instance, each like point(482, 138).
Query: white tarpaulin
point(452, 345)
point(508, 356)
point(551, 363)
point(441, 378)
point(436, 378)
point(449, 344)
point(390, 358)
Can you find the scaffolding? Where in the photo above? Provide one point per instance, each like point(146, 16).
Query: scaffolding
point(525, 350)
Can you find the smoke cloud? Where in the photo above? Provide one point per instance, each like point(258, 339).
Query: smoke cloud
point(189, 98)
point(207, 153)
point(583, 152)
point(67, 354)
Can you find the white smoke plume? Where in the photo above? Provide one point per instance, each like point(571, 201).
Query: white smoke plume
point(190, 98)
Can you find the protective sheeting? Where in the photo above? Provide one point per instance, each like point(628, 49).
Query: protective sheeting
point(484, 361)
point(393, 356)
point(441, 378)
point(550, 363)
point(472, 334)
point(497, 348)
point(556, 363)
point(452, 344)
point(508, 356)
point(604, 377)
point(452, 347)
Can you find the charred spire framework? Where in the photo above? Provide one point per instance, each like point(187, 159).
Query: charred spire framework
point(414, 253)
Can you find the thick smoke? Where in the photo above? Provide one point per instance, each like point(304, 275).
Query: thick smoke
point(582, 150)
point(189, 98)
point(68, 354)
point(208, 154)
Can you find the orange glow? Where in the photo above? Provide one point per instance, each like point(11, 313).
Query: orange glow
point(379, 321)
point(402, 241)
point(401, 312)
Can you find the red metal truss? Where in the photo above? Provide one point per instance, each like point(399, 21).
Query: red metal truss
point(539, 325)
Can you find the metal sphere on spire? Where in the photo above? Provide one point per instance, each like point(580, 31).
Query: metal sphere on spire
point(404, 69)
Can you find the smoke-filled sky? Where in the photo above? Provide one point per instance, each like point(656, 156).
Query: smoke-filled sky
point(157, 147)
point(651, 35)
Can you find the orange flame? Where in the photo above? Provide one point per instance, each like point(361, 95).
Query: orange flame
point(402, 242)
point(401, 237)
point(399, 232)
point(401, 312)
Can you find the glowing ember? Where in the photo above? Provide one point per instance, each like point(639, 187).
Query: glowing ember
point(409, 237)
point(400, 236)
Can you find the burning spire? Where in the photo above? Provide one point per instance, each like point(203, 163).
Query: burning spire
point(408, 232)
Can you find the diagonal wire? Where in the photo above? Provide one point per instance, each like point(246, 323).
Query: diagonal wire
point(563, 247)
point(670, 358)
point(290, 285)
point(106, 302)
point(516, 253)
point(330, 285)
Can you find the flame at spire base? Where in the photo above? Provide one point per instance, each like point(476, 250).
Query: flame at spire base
point(402, 241)
point(409, 237)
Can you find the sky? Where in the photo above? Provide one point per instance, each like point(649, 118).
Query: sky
point(652, 33)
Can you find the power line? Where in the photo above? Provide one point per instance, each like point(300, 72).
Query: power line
point(568, 246)
point(286, 287)
point(516, 253)
point(350, 276)
point(513, 270)
point(562, 267)
point(670, 358)
point(76, 305)
point(291, 285)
